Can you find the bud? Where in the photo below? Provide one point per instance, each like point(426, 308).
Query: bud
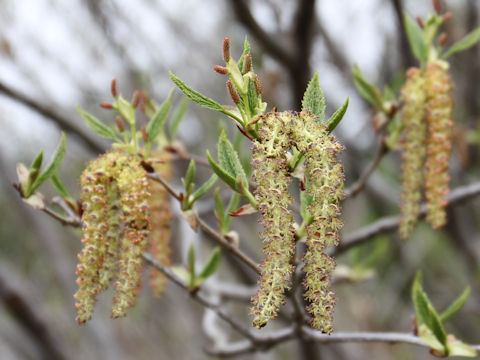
point(135, 98)
point(119, 123)
point(106, 105)
point(442, 39)
point(247, 64)
point(436, 6)
point(233, 92)
point(420, 22)
point(113, 88)
point(144, 133)
point(258, 85)
point(220, 69)
point(226, 49)
point(447, 16)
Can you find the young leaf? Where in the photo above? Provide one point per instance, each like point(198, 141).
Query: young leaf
point(313, 99)
point(204, 188)
point(191, 265)
point(229, 160)
point(246, 50)
point(155, 125)
point(126, 109)
point(60, 187)
point(212, 264)
point(426, 313)
point(190, 175)
point(366, 90)
point(467, 42)
point(456, 306)
point(96, 126)
point(178, 116)
point(337, 116)
point(228, 179)
point(37, 162)
point(415, 38)
point(52, 167)
point(195, 96)
point(458, 348)
point(252, 96)
point(219, 208)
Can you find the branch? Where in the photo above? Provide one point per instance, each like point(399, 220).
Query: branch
point(64, 123)
point(391, 223)
point(198, 297)
point(30, 321)
point(358, 186)
point(212, 233)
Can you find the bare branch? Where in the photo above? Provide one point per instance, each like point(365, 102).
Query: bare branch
point(64, 123)
point(391, 223)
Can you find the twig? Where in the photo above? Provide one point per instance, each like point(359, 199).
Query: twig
point(391, 223)
point(64, 123)
point(198, 297)
point(215, 235)
point(70, 221)
point(358, 186)
point(30, 321)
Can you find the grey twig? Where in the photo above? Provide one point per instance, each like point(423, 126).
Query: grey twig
point(391, 223)
point(63, 122)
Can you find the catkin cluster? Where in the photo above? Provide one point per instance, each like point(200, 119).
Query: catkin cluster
point(427, 117)
point(160, 221)
point(114, 196)
point(324, 174)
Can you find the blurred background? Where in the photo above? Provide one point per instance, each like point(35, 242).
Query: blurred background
point(57, 54)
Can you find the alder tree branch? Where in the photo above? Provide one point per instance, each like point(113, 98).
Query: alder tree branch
point(43, 110)
point(391, 223)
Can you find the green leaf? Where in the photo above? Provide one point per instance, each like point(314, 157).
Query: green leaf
point(204, 188)
point(252, 96)
point(313, 99)
point(456, 306)
point(178, 116)
point(246, 50)
point(212, 264)
point(60, 187)
point(415, 38)
point(191, 265)
point(155, 125)
point(96, 126)
point(229, 160)
point(219, 208)
point(195, 96)
point(426, 313)
point(467, 42)
point(458, 348)
point(222, 174)
point(126, 109)
point(367, 90)
point(337, 116)
point(37, 162)
point(190, 175)
point(52, 167)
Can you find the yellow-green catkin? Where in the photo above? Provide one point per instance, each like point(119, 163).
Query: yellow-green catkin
point(160, 220)
point(438, 89)
point(115, 226)
point(133, 186)
point(413, 99)
point(270, 174)
point(279, 133)
point(325, 177)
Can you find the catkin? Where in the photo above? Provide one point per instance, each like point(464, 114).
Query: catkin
point(413, 99)
point(438, 89)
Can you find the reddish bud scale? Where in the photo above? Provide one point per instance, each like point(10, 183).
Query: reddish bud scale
point(233, 92)
point(106, 105)
point(119, 123)
point(220, 69)
point(412, 96)
point(113, 88)
point(226, 49)
point(160, 220)
point(247, 64)
point(438, 88)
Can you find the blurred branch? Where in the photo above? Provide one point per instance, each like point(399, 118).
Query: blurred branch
point(407, 59)
point(64, 123)
point(215, 235)
point(198, 297)
point(391, 223)
point(30, 321)
point(358, 186)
